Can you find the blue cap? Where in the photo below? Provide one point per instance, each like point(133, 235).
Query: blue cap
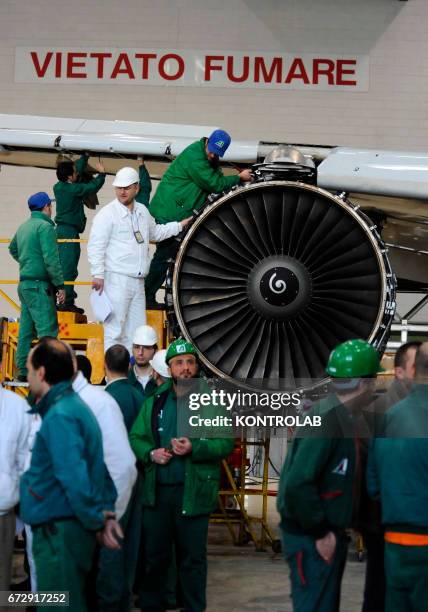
point(218, 142)
point(39, 200)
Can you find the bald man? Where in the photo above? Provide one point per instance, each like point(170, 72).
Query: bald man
point(67, 494)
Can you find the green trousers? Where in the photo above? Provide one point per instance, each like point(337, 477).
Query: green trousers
point(69, 254)
point(406, 569)
point(63, 553)
point(165, 251)
point(116, 568)
point(163, 526)
point(315, 584)
point(38, 317)
point(171, 591)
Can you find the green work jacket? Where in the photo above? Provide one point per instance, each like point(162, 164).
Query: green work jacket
point(69, 198)
point(398, 464)
point(67, 477)
point(319, 484)
point(35, 248)
point(143, 195)
point(202, 465)
point(149, 389)
point(128, 399)
point(187, 183)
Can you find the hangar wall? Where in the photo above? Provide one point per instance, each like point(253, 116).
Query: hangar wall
point(391, 113)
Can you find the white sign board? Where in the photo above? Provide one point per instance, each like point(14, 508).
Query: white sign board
point(237, 69)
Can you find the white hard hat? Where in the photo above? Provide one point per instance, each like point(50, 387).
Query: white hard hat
point(125, 177)
point(145, 336)
point(159, 365)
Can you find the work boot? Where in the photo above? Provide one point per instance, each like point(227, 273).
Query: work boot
point(70, 308)
point(155, 306)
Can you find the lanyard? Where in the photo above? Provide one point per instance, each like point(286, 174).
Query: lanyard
point(136, 230)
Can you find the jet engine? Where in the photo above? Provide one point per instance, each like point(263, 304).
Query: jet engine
point(270, 277)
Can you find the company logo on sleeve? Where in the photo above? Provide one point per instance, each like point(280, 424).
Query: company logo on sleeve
point(342, 468)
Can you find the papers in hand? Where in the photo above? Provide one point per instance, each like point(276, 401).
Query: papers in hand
point(101, 305)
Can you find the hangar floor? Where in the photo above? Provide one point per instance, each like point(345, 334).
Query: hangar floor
point(241, 579)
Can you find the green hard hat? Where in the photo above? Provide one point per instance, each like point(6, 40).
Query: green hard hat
point(180, 347)
point(353, 359)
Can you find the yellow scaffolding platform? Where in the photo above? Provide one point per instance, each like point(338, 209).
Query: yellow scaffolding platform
point(243, 526)
point(82, 336)
point(73, 328)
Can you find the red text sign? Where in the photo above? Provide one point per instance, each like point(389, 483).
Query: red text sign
point(192, 68)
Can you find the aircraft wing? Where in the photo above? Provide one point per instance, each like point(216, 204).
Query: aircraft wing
point(391, 186)
point(37, 141)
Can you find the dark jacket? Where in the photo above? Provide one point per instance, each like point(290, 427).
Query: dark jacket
point(143, 195)
point(35, 248)
point(145, 392)
point(370, 511)
point(128, 399)
point(398, 464)
point(318, 489)
point(69, 198)
point(67, 477)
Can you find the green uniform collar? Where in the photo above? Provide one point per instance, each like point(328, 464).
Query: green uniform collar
point(131, 376)
point(119, 382)
point(36, 214)
point(203, 142)
point(52, 396)
point(163, 387)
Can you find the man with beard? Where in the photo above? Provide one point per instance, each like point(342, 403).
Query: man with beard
point(181, 480)
point(144, 347)
point(184, 187)
point(320, 483)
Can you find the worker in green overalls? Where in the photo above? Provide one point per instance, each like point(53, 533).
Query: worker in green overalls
point(181, 482)
point(41, 283)
point(143, 195)
point(71, 220)
point(67, 494)
point(117, 568)
point(184, 187)
point(321, 479)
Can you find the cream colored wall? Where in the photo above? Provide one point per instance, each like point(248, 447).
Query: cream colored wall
point(392, 33)
point(392, 114)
